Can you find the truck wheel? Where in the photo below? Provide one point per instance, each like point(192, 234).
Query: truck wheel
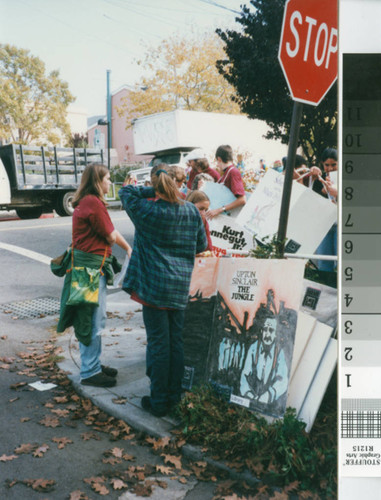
point(64, 207)
point(29, 213)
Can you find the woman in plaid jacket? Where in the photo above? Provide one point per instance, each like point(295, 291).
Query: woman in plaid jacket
point(168, 234)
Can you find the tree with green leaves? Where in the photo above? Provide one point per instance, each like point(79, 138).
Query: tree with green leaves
point(253, 69)
point(32, 102)
point(181, 74)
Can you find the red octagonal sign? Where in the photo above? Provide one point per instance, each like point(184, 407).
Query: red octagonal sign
point(308, 48)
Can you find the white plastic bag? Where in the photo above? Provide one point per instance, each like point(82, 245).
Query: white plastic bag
point(118, 278)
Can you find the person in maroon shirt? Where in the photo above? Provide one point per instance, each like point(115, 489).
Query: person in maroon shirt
point(198, 161)
point(203, 167)
point(231, 178)
point(190, 160)
point(93, 234)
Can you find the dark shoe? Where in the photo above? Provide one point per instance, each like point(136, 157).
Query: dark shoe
point(99, 380)
point(146, 405)
point(107, 370)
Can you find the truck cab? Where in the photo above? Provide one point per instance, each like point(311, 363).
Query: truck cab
point(5, 188)
point(170, 158)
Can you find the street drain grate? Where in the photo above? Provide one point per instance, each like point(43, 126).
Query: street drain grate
point(35, 308)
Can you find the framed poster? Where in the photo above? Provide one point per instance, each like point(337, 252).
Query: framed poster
point(253, 332)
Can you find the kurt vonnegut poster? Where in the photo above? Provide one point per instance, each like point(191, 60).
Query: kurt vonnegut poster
point(253, 332)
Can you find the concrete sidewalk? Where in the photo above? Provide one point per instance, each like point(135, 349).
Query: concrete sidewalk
point(124, 348)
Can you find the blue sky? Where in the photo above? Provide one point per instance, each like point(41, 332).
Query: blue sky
point(84, 38)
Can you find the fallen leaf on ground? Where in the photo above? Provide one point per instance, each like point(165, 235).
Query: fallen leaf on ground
point(142, 490)
point(157, 482)
point(61, 399)
point(25, 448)
point(185, 472)
point(90, 435)
point(62, 442)
point(116, 452)
point(202, 464)
point(18, 385)
point(159, 443)
point(119, 401)
point(6, 359)
point(172, 459)
point(40, 484)
point(7, 458)
point(164, 470)
point(93, 479)
point(100, 489)
point(50, 421)
point(118, 484)
point(39, 452)
point(9, 483)
point(78, 495)
point(112, 460)
point(307, 494)
point(292, 486)
point(279, 495)
point(61, 413)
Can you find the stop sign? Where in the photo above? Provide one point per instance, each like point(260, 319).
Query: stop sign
point(308, 48)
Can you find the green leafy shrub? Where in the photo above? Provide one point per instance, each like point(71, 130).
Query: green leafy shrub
point(267, 249)
point(279, 453)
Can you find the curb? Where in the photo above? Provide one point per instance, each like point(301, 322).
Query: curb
point(132, 381)
point(132, 413)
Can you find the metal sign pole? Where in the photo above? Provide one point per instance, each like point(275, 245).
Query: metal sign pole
point(287, 186)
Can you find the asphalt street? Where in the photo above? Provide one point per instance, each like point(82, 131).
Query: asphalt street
point(55, 444)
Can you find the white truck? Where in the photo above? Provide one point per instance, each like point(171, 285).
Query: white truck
point(169, 136)
point(36, 179)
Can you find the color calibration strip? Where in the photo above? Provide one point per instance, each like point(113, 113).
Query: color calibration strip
point(360, 370)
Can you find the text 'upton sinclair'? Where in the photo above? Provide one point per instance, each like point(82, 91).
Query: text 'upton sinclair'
point(245, 280)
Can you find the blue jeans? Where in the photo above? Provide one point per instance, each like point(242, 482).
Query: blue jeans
point(90, 355)
point(328, 247)
point(165, 355)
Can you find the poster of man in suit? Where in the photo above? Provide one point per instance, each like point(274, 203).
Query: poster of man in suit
point(253, 331)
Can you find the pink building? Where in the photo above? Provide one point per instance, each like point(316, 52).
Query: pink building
point(122, 141)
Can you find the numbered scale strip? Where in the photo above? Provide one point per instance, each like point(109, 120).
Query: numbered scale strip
point(360, 359)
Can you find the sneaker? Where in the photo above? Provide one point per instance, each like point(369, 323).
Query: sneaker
point(146, 405)
point(107, 370)
point(99, 380)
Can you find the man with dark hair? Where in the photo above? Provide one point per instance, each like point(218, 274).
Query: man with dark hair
point(231, 178)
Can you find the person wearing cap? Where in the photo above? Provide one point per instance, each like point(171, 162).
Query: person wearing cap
point(198, 161)
point(231, 178)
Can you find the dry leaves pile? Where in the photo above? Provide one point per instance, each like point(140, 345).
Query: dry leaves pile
point(67, 409)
